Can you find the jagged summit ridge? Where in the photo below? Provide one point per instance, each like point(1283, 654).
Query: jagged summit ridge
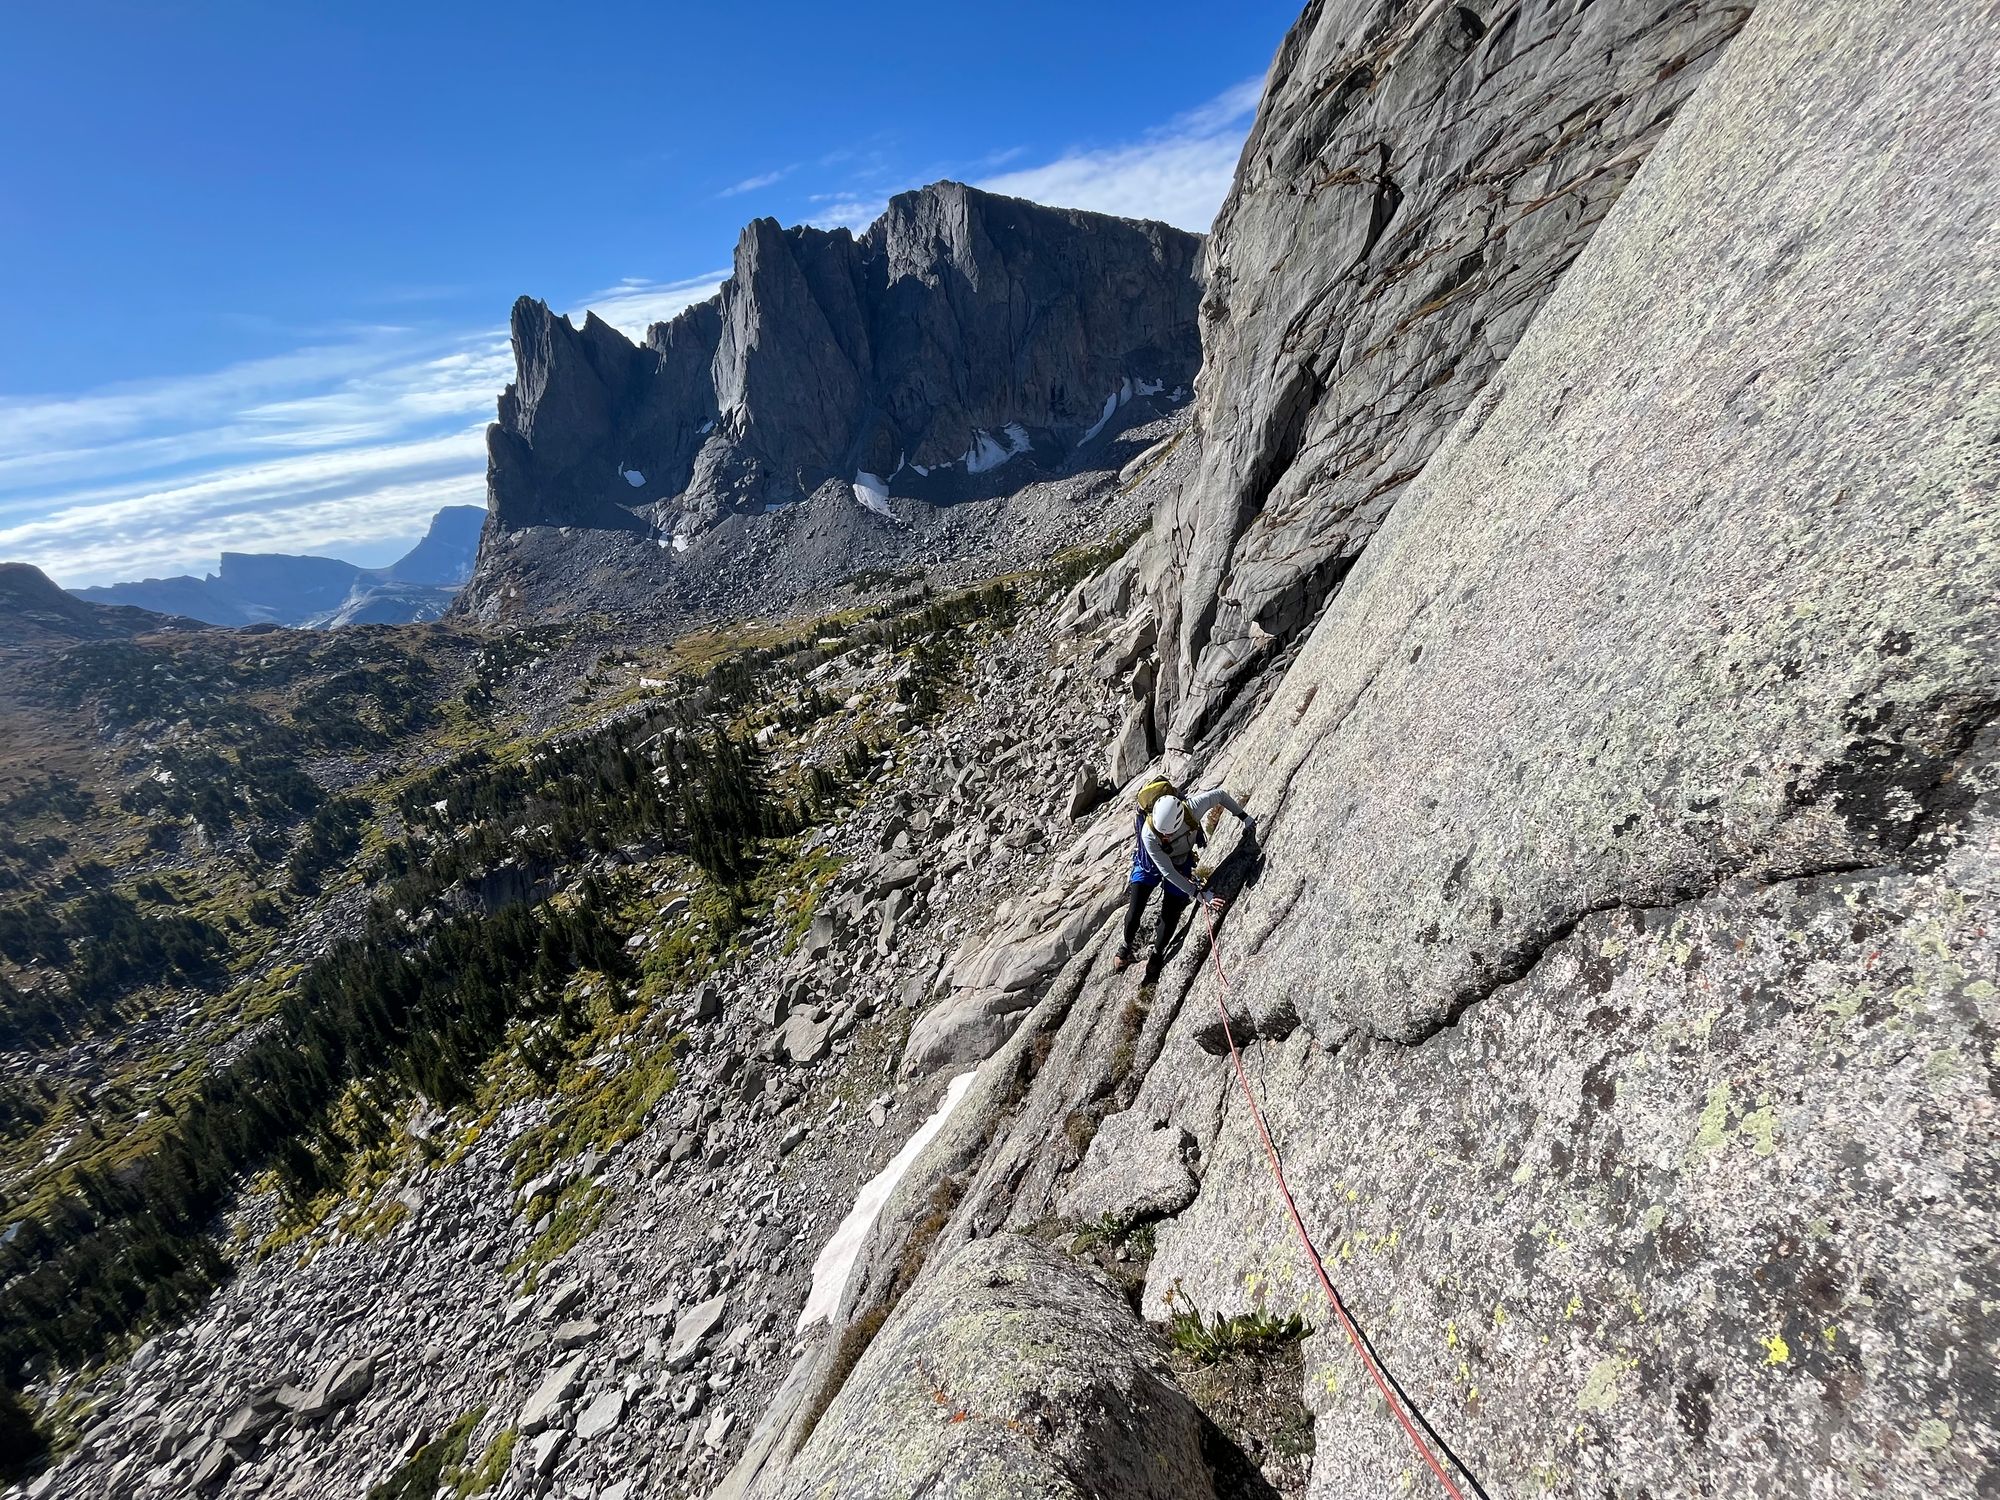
point(960, 332)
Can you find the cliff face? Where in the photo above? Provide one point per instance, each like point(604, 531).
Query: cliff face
point(1418, 179)
point(1633, 851)
point(1616, 956)
point(962, 333)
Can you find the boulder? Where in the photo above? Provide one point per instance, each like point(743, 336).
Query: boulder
point(694, 1329)
point(341, 1383)
point(257, 1416)
point(544, 1451)
point(894, 875)
point(1131, 748)
point(1136, 1169)
point(556, 1388)
point(708, 1001)
point(218, 1460)
point(601, 1415)
point(1011, 1370)
point(965, 1028)
point(807, 1036)
point(1087, 793)
point(576, 1334)
point(561, 1300)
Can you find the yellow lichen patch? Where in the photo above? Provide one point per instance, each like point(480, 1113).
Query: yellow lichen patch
point(1844, 1006)
point(1600, 1386)
point(1761, 1126)
point(1550, 1477)
point(1776, 1350)
point(1943, 1065)
point(1713, 1126)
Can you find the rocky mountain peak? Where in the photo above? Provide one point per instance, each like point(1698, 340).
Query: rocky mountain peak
point(962, 334)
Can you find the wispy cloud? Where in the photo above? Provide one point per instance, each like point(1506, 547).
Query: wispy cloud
point(1179, 173)
point(845, 211)
point(761, 180)
point(302, 503)
point(348, 444)
point(633, 306)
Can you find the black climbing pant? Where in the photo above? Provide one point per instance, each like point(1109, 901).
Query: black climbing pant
point(1173, 902)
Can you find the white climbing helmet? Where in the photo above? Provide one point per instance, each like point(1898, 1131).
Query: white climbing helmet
point(1169, 817)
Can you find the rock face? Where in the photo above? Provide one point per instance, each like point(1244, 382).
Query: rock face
point(961, 344)
point(1418, 180)
point(445, 554)
point(1012, 1372)
point(1618, 966)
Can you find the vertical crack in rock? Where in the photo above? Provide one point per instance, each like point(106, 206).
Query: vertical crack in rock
point(1505, 169)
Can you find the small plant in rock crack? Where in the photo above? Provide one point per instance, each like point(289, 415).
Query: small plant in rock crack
point(1111, 1234)
point(1211, 1340)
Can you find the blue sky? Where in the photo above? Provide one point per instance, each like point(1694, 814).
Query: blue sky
point(256, 259)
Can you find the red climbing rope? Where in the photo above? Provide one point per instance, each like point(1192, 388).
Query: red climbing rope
point(1305, 1237)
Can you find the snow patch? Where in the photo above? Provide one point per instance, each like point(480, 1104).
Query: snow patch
point(871, 491)
point(633, 477)
point(681, 543)
point(1127, 389)
point(1110, 409)
point(836, 1260)
point(990, 450)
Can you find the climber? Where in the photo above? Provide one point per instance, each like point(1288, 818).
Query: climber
point(1168, 829)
